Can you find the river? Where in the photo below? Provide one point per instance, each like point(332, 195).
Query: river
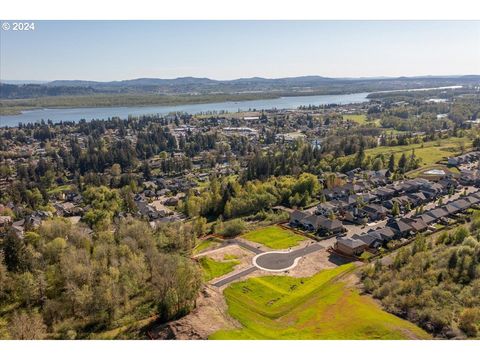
point(76, 114)
point(90, 113)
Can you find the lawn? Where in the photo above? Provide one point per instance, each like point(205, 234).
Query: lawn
point(274, 237)
point(207, 244)
point(430, 152)
point(421, 171)
point(319, 307)
point(59, 189)
point(361, 119)
point(358, 118)
point(213, 269)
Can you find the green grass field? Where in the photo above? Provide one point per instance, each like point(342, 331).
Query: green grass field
point(430, 152)
point(213, 269)
point(361, 119)
point(208, 244)
point(319, 307)
point(421, 171)
point(274, 237)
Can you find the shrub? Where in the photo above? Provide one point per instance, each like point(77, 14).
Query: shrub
point(469, 321)
point(233, 228)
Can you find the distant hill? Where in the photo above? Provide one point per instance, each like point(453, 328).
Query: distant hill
point(193, 85)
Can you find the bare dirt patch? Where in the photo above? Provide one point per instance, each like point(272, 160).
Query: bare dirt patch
point(224, 253)
point(209, 316)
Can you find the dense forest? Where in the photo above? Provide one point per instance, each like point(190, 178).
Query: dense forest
point(65, 281)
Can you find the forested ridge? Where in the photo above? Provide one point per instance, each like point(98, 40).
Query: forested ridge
point(434, 283)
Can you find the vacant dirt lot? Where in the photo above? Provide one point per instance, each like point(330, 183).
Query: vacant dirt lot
point(244, 256)
point(209, 316)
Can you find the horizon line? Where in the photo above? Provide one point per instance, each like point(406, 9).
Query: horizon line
point(374, 77)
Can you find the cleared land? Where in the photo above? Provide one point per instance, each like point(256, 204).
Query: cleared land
point(274, 237)
point(421, 171)
point(320, 307)
point(361, 119)
point(207, 244)
point(213, 269)
point(430, 152)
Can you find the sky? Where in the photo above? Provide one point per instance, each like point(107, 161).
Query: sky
point(119, 50)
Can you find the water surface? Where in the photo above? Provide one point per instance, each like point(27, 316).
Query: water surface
point(76, 114)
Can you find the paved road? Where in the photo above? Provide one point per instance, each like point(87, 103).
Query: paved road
point(236, 276)
point(279, 261)
point(245, 245)
point(271, 261)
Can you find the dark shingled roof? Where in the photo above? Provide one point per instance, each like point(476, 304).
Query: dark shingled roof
point(400, 226)
point(351, 243)
point(427, 218)
point(437, 213)
point(297, 215)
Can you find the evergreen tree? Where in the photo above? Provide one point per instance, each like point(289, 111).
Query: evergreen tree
point(391, 163)
point(402, 164)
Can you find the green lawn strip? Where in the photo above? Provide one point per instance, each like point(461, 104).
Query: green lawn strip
point(213, 269)
point(274, 237)
point(59, 189)
point(210, 243)
point(319, 307)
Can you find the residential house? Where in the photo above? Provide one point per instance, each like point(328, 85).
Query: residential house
point(399, 227)
point(374, 212)
point(296, 216)
point(427, 219)
point(437, 213)
point(328, 226)
point(461, 204)
point(349, 246)
point(417, 225)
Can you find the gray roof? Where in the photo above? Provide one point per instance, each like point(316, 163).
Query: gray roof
point(437, 213)
point(450, 208)
point(331, 224)
point(313, 220)
point(386, 233)
point(351, 243)
point(297, 215)
point(472, 199)
point(400, 226)
point(461, 204)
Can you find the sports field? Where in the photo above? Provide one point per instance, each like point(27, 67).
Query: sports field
point(319, 307)
point(274, 237)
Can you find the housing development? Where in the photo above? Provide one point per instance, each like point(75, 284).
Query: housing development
point(356, 220)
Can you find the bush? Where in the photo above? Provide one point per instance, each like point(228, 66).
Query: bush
point(232, 228)
point(470, 321)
